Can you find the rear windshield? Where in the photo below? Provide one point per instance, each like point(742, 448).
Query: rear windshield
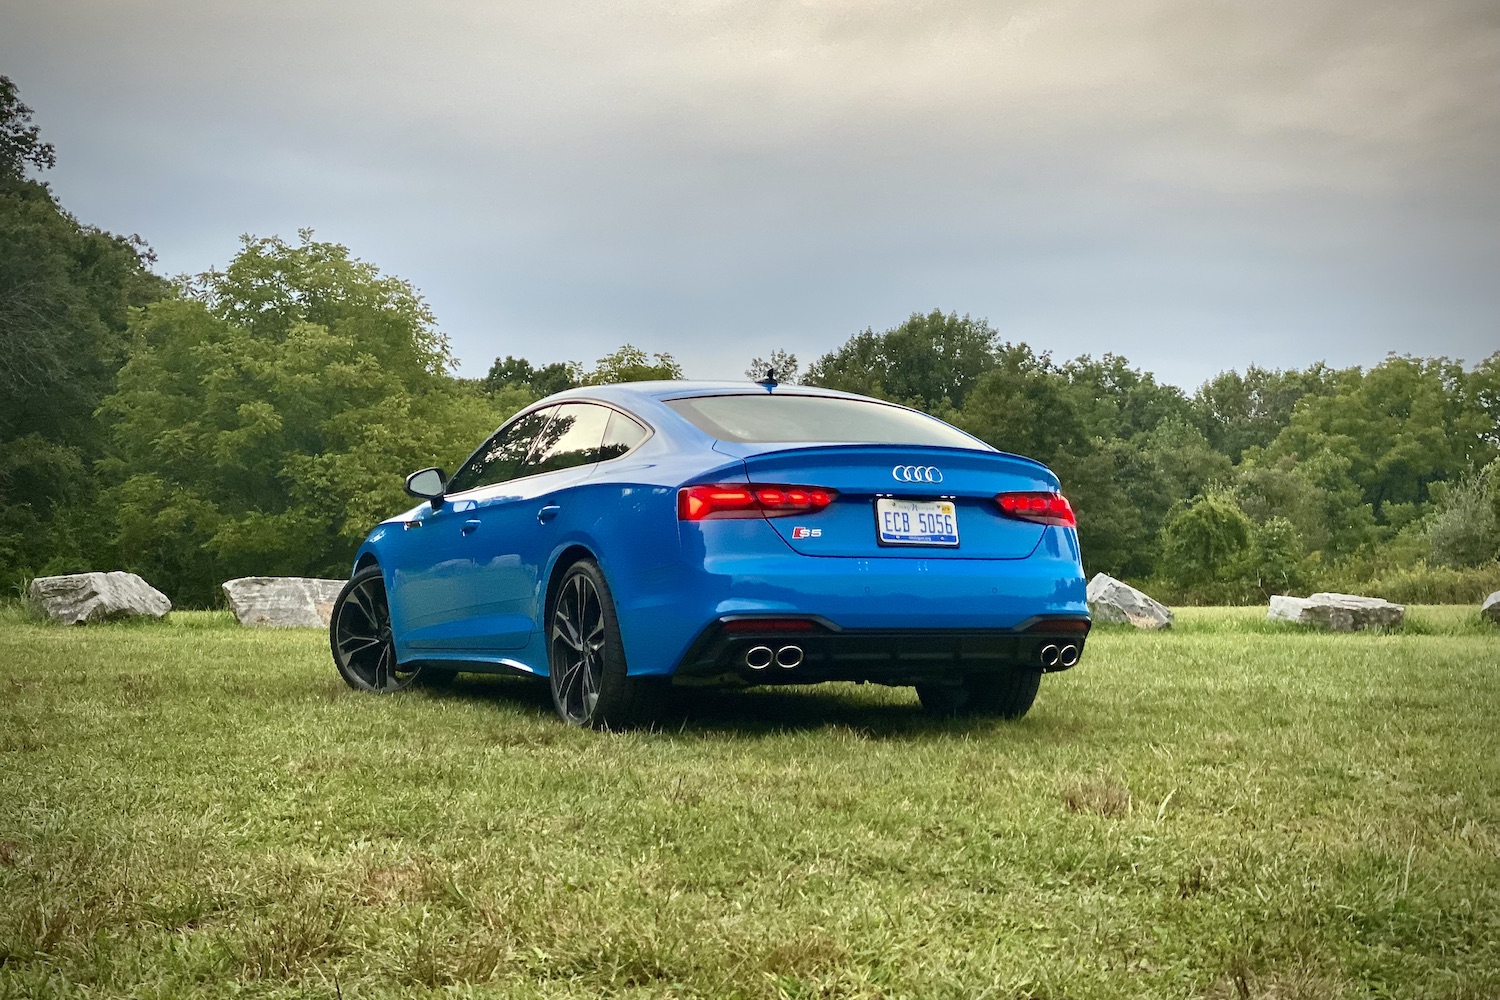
point(766, 418)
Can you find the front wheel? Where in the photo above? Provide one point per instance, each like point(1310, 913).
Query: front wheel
point(359, 630)
point(1005, 694)
point(586, 658)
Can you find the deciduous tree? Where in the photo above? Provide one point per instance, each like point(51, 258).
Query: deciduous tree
point(930, 361)
point(267, 415)
point(65, 292)
point(630, 364)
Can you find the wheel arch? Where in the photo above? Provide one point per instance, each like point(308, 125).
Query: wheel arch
point(569, 555)
point(365, 561)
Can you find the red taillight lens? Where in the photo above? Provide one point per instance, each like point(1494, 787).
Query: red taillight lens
point(696, 503)
point(1043, 508)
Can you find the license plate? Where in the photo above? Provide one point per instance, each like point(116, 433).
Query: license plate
point(916, 522)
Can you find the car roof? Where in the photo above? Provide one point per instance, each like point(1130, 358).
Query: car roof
point(647, 400)
point(660, 391)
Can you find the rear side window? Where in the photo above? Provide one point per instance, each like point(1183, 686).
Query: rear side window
point(622, 435)
point(767, 418)
point(571, 439)
point(499, 459)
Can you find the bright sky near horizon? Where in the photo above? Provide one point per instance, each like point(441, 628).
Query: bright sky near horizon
point(1195, 184)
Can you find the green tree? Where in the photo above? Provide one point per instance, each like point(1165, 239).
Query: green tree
point(931, 361)
point(65, 292)
point(1465, 528)
point(1024, 405)
point(1272, 489)
point(507, 371)
point(783, 363)
point(1238, 412)
point(1116, 400)
point(1404, 425)
point(267, 414)
point(1482, 394)
point(21, 144)
point(1204, 545)
point(629, 364)
point(1120, 496)
point(511, 371)
point(1188, 463)
point(1276, 558)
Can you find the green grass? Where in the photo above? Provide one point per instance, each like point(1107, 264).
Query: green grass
point(1227, 810)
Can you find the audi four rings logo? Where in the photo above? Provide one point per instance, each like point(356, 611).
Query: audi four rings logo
point(917, 474)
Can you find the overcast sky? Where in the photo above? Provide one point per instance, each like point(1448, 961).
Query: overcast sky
point(1197, 185)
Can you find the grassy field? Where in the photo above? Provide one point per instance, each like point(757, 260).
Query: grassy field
point(1227, 810)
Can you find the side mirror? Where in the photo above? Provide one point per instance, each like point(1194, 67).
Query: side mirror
point(428, 484)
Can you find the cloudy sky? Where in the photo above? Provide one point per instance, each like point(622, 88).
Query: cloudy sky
point(1195, 184)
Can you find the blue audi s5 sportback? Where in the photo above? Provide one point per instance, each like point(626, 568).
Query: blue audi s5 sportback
point(621, 539)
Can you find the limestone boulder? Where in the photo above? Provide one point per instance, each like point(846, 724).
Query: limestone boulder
point(1337, 612)
point(282, 601)
point(1490, 609)
point(85, 598)
point(1119, 603)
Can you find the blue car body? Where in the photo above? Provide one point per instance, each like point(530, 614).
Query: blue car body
point(468, 580)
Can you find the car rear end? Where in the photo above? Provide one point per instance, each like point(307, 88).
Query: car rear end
point(926, 559)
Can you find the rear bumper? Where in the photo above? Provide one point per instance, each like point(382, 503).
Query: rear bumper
point(741, 568)
point(733, 652)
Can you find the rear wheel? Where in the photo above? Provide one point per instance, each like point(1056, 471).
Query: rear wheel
point(586, 658)
point(1005, 694)
point(359, 631)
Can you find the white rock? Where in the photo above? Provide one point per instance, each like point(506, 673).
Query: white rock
point(1113, 601)
point(83, 598)
point(1491, 607)
point(282, 601)
point(1337, 612)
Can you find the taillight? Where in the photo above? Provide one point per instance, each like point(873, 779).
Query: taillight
point(1043, 508)
point(695, 503)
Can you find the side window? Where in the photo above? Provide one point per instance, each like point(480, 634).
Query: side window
point(622, 435)
point(500, 458)
point(571, 439)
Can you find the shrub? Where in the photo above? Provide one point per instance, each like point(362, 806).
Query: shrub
point(1466, 529)
point(1420, 584)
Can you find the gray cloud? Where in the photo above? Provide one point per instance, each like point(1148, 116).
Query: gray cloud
point(1196, 185)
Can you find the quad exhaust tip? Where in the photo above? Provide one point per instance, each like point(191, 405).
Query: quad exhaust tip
point(788, 657)
point(759, 657)
point(1050, 655)
point(1068, 655)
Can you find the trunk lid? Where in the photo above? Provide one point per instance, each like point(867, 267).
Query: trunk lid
point(863, 475)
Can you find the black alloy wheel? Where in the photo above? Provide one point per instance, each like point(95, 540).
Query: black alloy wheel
point(586, 657)
point(359, 632)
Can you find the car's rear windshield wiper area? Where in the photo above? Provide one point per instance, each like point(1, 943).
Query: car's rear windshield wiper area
point(765, 418)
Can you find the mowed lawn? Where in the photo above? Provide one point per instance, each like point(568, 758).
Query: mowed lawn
point(1226, 810)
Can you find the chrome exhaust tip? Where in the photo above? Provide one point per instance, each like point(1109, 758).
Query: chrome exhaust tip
point(1068, 655)
point(759, 657)
point(1049, 655)
point(788, 657)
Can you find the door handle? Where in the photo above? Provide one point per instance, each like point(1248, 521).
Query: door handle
point(471, 525)
point(548, 512)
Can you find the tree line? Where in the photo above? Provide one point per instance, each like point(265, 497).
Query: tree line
point(1259, 482)
point(256, 420)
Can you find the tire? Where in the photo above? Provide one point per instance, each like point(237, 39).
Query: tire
point(359, 636)
point(586, 657)
point(1005, 694)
